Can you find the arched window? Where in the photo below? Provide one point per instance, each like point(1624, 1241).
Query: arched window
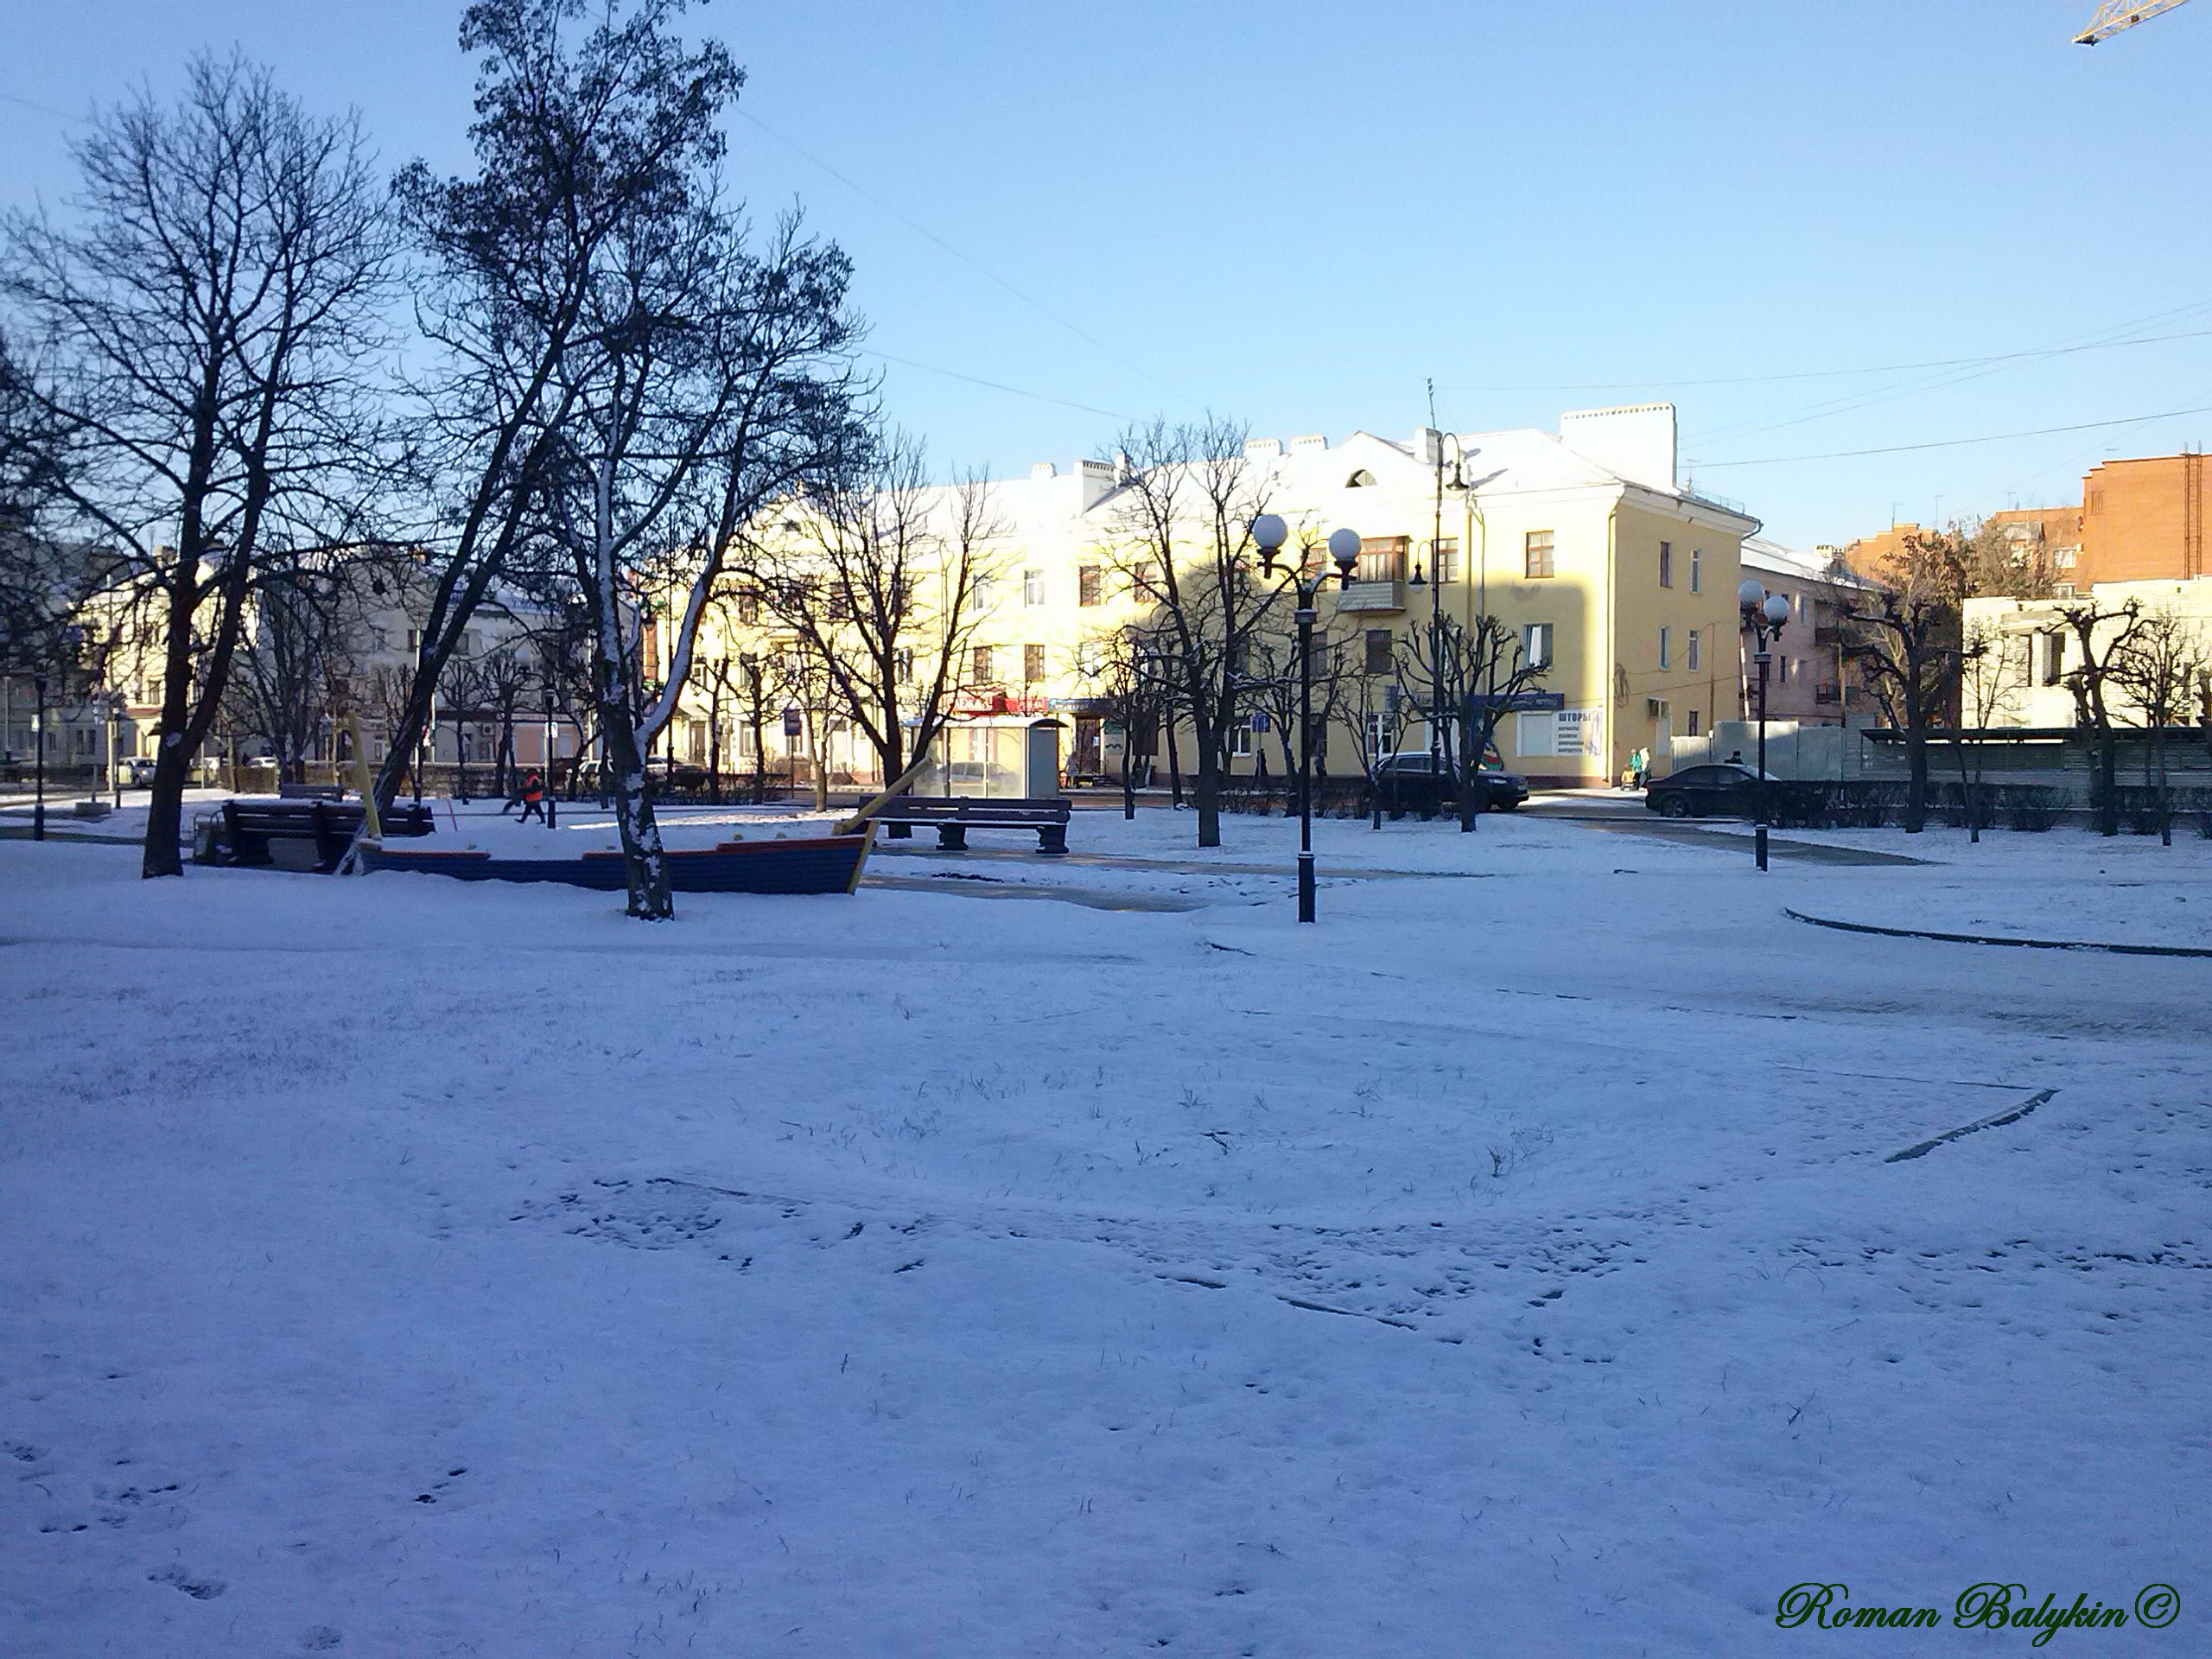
point(1360, 479)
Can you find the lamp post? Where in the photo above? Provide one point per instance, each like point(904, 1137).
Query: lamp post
point(545, 765)
point(1764, 615)
point(38, 752)
point(1269, 532)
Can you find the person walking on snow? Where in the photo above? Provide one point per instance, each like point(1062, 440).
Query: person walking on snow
point(533, 799)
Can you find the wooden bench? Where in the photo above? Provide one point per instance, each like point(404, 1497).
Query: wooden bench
point(955, 815)
point(251, 828)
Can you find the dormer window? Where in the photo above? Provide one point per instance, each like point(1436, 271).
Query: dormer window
point(1360, 479)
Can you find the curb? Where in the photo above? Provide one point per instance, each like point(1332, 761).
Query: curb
point(1999, 938)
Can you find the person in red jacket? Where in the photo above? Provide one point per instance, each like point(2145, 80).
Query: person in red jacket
point(533, 799)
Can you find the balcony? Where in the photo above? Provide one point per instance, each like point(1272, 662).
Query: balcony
point(1827, 694)
point(1361, 595)
point(1378, 583)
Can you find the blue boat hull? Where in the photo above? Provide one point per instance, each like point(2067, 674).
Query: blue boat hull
point(819, 864)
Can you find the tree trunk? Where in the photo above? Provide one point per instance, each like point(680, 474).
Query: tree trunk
point(649, 899)
point(1175, 763)
point(1915, 794)
point(1206, 790)
point(2107, 781)
point(165, 805)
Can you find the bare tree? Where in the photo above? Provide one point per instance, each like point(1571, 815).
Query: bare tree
point(635, 377)
point(1183, 526)
point(1272, 686)
point(1906, 645)
point(211, 320)
point(2162, 669)
point(2102, 640)
point(1122, 678)
point(1478, 675)
point(1990, 683)
point(303, 636)
point(2015, 560)
point(882, 587)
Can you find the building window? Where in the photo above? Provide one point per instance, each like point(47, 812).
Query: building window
point(1536, 644)
point(1666, 647)
point(1032, 588)
point(1696, 655)
point(1382, 558)
point(1666, 564)
point(1697, 571)
point(979, 663)
point(2054, 657)
point(1694, 727)
point(1378, 650)
point(902, 664)
point(1444, 559)
point(1782, 669)
point(1088, 658)
point(1033, 664)
point(748, 609)
point(1240, 738)
point(1144, 580)
point(414, 642)
point(1086, 584)
point(1536, 554)
point(1360, 479)
point(979, 596)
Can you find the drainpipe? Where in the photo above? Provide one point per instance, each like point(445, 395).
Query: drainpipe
point(1612, 645)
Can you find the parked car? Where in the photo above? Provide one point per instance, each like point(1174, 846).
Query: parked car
point(664, 774)
point(1726, 790)
point(1414, 782)
point(137, 771)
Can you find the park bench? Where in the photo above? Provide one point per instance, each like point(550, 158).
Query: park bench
point(954, 816)
point(252, 830)
point(311, 792)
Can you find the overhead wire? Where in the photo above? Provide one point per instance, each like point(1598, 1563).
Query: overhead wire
point(973, 264)
point(1954, 443)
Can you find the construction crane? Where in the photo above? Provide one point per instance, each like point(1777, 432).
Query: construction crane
point(2116, 15)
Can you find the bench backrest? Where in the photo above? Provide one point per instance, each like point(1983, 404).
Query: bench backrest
point(969, 808)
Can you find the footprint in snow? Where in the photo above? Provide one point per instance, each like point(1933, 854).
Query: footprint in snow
point(198, 1589)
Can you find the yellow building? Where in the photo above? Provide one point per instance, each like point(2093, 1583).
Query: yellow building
point(1581, 542)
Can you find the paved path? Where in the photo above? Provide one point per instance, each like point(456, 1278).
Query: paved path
point(991, 886)
point(1333, 869)
point(1802, 852)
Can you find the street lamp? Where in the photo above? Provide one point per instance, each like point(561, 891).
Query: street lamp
point(1764, 615)
point(545, 765)
point(1269, 532)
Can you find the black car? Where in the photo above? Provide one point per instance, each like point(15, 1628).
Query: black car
point(676, 776)
point(1726, 790)
point(1415, 783)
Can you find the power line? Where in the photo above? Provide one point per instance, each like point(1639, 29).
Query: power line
point(1953, 443)
point(996, 385)
point(1864, 399)
point(922, 230)
point(1827, 374)
point(32, 104)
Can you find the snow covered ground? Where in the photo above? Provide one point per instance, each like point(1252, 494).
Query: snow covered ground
point(1514, 1263)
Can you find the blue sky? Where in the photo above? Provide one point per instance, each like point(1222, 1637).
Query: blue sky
point(1297, 214)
